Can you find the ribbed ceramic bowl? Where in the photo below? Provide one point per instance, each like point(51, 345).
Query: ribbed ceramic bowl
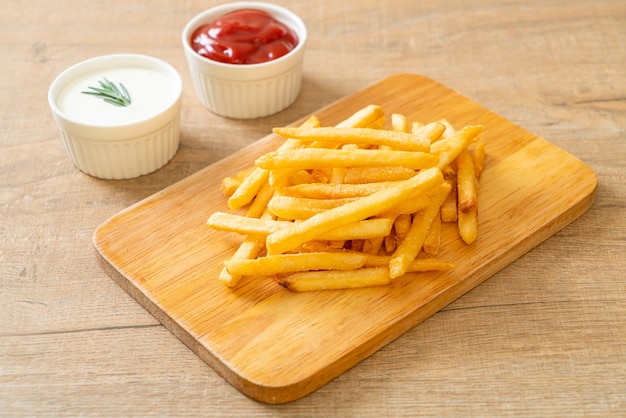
point(115, 142)
point(246, 91)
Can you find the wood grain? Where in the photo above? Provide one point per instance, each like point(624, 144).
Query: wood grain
point(543, 337)
point(276, 346)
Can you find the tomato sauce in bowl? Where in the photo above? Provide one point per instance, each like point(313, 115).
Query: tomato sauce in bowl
point(246, 36)
point(245, 58)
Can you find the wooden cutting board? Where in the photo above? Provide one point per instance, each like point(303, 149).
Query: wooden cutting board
point(276, 346)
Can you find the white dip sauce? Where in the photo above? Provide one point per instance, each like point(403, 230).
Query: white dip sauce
point(150, 92)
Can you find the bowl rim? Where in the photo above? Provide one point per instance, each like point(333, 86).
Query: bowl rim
point(280, 13)
point(121, 60)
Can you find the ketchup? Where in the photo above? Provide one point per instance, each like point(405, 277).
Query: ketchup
point(244, 37)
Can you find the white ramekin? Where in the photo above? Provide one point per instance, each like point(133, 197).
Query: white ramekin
point(120, 149)
point(246, 91)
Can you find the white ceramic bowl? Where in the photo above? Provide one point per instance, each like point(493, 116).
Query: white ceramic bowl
point(113, 142)
point(246, 91)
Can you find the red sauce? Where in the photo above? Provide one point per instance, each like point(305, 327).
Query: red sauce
point(244, 37)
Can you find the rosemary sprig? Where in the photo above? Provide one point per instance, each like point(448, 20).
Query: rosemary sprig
point(110, 93)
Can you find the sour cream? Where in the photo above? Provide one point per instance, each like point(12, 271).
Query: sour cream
point(151, 93)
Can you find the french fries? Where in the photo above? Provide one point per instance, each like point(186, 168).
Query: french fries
point(354, 205)
point(310, 158)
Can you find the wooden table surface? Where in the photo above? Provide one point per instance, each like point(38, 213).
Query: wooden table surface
point(546, 336)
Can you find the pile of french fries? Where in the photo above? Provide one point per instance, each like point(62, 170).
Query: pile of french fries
point(354, 205)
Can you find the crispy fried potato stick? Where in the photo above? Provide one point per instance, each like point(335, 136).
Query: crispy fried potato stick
point(448, 148)
point(401, 226)
point(364, 136)
point(286, 239)
point(363, 118)
point(358, 175)
point(259, 204)
point(399, 122)
point(324, 157)
point(417, 203)
point(468, 225)
point(229, 185)
point(375, 273)
point(365, 229)
point(431, 131)
point(299, 208)
point(417, 265)
point(408, 249)
point(335, 279)
point(336, 191)
point(230, 222)
point(479, 158)
point(248, 188)
point(360, 230)
point(433, 238)
point(289, 263)
point(466, 182)
point(449, 207)
point(373, 245)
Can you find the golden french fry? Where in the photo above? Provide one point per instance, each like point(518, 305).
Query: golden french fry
point(479, 158)
point(417, 265)
point(359, 175)
point(371, 116)
point(390, 243)
point(338, 173)
point(373, 245)
point(336, 191)
point(449, 207)
point(229, 222)
point(229, 185)
point(335, 279)
point(248, 188)
point(433, 238)
point(416, 125)
point(360, 230)
point(299, 208)
point(259, 204)
point(430, 132)
point(408, 249)
point(356, 244)
point(365, 117)
point(289, 263)
point(399, 122)
point(466, 182)
point(324, 157)
point(288, 238)
point(316, 247)
point(449, 129)
point(468, 225)
point(364, 136)
point(401, 226)
point(448, 148)
point(364, 229)
point(377, 124)
point(417, 203)
point(449, 172)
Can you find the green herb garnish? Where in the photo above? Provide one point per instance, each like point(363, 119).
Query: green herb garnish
point(110, 93)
